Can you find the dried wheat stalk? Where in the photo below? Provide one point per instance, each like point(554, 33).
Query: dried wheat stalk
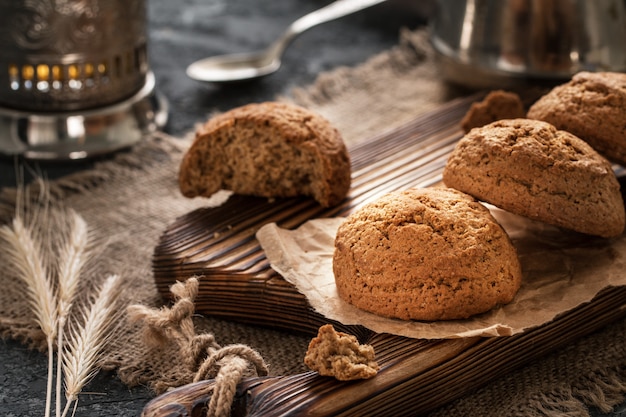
point(73, 256)
point(52, 279)
point(26, 256)
point(88, 336)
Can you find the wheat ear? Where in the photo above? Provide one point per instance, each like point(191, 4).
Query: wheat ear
point(87, 338)
point(72, 258)
point(25, 254)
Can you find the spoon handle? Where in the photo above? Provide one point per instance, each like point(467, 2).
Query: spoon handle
point(327, 13)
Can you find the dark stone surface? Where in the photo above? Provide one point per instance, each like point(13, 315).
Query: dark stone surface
point(23, 386)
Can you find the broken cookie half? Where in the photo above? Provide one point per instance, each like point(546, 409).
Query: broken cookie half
point(269, 149)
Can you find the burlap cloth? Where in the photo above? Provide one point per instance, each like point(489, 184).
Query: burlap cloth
point(131, 199)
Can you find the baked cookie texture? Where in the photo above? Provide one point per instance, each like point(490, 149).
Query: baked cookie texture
point(591, 106)
point(269, 149)
point(496, 105)
point(425, 254)
point(531, 168)
point(338, 354)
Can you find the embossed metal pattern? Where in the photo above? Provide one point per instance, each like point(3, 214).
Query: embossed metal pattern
point(71, 54)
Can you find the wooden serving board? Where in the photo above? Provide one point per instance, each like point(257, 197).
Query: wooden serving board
point(237, 283)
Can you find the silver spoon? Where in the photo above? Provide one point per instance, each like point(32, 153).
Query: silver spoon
point(245, 66)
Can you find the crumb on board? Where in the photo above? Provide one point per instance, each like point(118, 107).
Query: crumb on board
point(340, 355)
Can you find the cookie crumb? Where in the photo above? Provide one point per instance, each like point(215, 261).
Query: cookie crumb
point(497, 105)
point(340, 355)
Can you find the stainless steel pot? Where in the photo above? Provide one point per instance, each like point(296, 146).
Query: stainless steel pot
point(503, 43)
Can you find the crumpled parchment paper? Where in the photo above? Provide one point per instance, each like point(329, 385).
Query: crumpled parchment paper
point(561, 270)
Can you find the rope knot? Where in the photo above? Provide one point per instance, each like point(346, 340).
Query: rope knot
point(206, 359)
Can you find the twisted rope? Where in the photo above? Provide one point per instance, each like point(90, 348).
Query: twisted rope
point(206, 359)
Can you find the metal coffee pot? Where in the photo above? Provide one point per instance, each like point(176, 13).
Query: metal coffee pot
point(74, 78)
point(504, 43)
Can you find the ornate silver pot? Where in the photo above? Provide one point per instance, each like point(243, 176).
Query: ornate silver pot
point(74, 77)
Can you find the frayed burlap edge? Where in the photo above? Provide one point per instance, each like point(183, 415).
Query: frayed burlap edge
point(602, 389)
point(157, 148)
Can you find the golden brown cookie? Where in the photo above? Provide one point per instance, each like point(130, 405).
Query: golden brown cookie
point(268, 149)
point(530, 168)
point(497, 105)
point(425, 254)
point(591, 106)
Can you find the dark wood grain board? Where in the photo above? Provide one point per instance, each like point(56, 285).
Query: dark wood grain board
point(416, 376)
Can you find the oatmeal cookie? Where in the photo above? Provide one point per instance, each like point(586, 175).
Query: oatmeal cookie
point(531, 168)
point(591, 106)
point(425, 254)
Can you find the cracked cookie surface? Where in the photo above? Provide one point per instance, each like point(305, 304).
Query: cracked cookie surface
point(532, 169)
point(592, 106)
point(425, 254)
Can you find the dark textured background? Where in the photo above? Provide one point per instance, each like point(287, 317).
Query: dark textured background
point(181, 31)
